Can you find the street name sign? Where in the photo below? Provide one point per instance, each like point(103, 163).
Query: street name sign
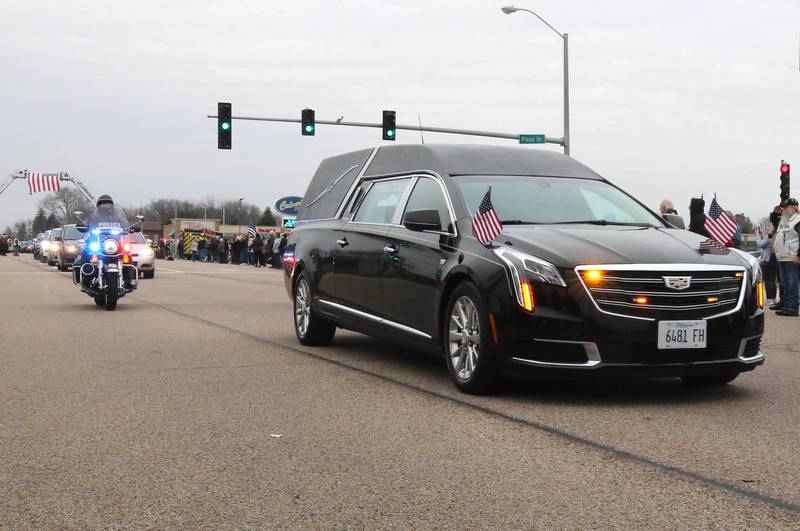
point(531, 139)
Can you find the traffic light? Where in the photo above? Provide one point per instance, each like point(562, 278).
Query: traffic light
point(224, 125)
point(307, 122)
point(389, 126)
point(785, 181)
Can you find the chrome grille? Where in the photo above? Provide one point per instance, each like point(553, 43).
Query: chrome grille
point(659, 293)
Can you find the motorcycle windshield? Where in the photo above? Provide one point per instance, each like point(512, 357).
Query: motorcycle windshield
point(108, 216)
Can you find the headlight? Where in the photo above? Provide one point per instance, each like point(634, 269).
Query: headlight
point(70, 249)
point(110, 246)
point(524, 269)
point(752, 261)
point(94, 246)
point(45, 245)
point(147, 252)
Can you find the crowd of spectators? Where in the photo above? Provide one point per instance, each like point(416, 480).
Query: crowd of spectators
point(257, 251)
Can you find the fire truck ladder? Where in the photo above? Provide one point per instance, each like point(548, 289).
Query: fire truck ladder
point(62, 176)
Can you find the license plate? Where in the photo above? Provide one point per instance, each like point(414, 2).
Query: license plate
point(682, 334)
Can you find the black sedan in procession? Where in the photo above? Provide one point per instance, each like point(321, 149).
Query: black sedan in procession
point(582, 278)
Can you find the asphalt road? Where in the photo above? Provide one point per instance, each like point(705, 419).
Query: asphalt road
point(193, 405)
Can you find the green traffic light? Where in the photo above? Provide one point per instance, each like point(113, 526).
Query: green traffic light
point(390, 132)
point(225, 126)
point(309, 128)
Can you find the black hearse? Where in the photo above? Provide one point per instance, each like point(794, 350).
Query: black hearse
point(583, 277)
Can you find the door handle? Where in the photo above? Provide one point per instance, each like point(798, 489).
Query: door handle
point(342, 242)
point(388, 249)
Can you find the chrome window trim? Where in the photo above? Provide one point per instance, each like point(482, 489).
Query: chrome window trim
point(375, 318)
point(661, 267)
point(438, 180)
point(593, 359)
point(356, 182)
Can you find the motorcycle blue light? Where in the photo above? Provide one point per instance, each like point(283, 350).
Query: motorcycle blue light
point(94, 246)
point(95, 232)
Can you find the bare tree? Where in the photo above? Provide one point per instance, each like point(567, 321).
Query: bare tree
point(63, 203)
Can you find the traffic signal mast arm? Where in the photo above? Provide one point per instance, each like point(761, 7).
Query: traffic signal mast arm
point(427, 129)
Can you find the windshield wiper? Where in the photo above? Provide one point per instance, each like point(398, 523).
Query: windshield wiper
point(518, 222)
point(603, 222)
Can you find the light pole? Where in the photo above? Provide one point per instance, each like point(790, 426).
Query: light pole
point(240, 215)
point(511, 9)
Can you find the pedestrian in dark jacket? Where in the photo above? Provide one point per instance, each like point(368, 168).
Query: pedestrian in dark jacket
point(258, 251)
point(697, 217)
point(235, 251)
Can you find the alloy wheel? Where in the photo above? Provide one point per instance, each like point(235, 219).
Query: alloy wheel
point(302, 307)
point(464, 337)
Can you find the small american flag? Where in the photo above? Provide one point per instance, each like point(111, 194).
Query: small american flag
point(719, 225)
point(486, 225)
point(42, 182)
point(251, 231)
point(711, 246)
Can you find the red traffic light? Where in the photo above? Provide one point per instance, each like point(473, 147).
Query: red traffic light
point(784, 168)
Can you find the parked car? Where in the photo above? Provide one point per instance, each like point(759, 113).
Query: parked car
point(26, 246)
point(44, 243)
point(583, 279)
point(69, 248)
point(54, 246)
point(142, 255)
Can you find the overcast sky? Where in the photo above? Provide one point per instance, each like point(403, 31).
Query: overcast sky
point(669, 98)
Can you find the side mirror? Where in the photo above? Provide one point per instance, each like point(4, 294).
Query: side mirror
point(420, 220)
point(140, 217)
point(674, 220)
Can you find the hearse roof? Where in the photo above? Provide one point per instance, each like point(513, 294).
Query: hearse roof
point(335, 175)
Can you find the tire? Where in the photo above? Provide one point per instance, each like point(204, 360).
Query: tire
point(310, 329)
point(100, 300)
point(469, 350)
point(150, 274)
point(707, 380)
point(111, 291)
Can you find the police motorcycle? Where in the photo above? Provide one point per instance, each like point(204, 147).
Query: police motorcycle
point(104, 271)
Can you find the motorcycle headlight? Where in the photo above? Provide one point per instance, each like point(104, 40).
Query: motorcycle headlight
point(526, 269)
point(110, 246)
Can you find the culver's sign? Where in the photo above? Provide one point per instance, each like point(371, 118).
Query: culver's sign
point(289, 205)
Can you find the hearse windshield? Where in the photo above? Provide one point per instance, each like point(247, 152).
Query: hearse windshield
point(529, 200)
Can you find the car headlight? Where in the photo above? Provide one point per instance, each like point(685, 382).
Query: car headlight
point(147, 252)
point(45, 245)
point(525, 269)
point(70, 249)
point(752, 261)
point(110, 246)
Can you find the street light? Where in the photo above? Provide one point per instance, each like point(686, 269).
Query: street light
point(511, 9)
point(239, 215)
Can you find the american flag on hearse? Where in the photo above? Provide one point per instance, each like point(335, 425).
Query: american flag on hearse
point(719, 224)
point(711, 246)
point(42, 182)
point(486, 225)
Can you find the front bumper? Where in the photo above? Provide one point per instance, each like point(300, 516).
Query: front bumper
point(577, 338)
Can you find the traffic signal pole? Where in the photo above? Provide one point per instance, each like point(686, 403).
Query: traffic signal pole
point(427, 129)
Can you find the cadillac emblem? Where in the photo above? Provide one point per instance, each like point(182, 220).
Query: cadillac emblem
point(677, 283)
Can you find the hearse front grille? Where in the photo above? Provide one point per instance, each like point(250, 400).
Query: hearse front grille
point(663, 293)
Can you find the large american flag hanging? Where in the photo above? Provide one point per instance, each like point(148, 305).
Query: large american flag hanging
point(719, 225)
point(42, 182)
point(486, 225)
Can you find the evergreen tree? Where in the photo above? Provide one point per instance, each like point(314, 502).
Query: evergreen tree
point(268, 218)
point(52, 221)
point(39, 221)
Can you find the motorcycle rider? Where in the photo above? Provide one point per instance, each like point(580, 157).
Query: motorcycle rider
point(106, 215)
